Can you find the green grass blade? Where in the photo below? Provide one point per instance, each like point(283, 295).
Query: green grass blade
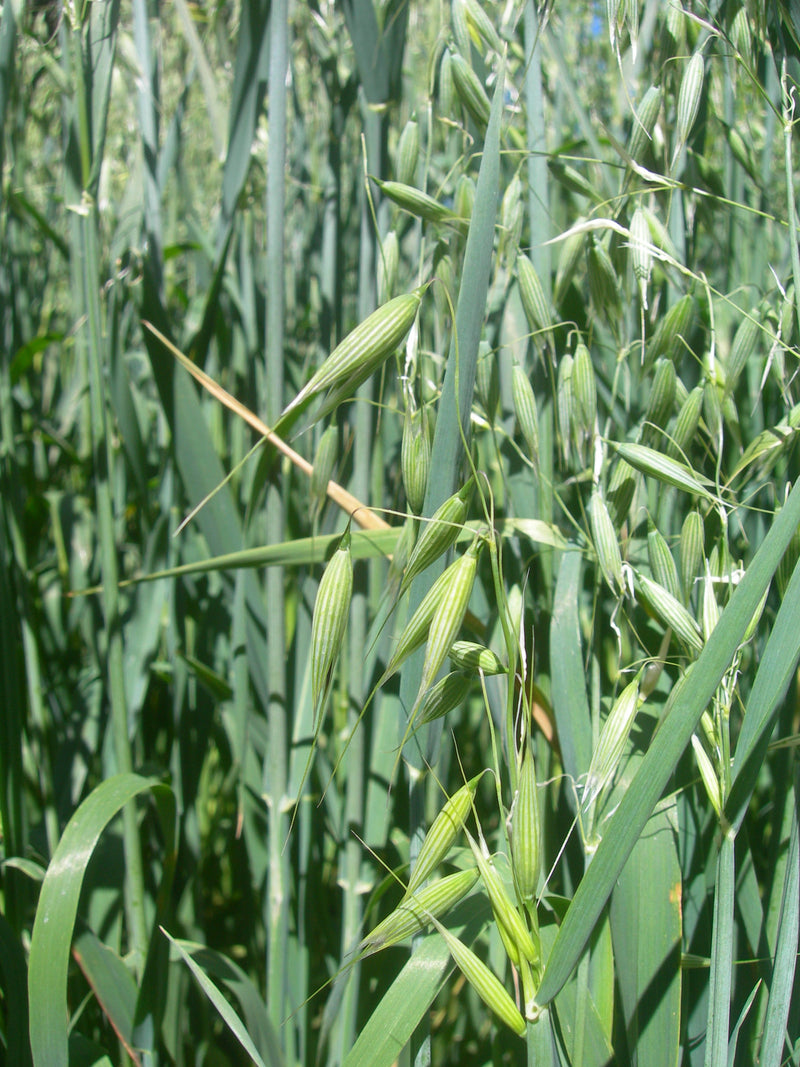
point(58, 907)
point(719, 1001)
point(112, 983)
point(775, 672)
point(782, 986)
point(567, 679)
point(690, 697)
point(408, 999)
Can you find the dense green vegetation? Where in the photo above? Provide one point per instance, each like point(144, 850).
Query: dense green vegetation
point(290, 773)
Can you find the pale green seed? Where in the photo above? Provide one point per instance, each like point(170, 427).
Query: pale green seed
point(573, 180)
point(584, 388)
point(662, 564)
point(487, 380)
point(439, 533)
point(641, 256)
point(470, 91)
point(606, 543)
point(447, 92)
point(464, 197)
point(708, 774)
point(470, 656)
point(483, 26)
point(670, 612)
point(568, 259)
point(709, 613)
point(644, 124)
point(688, 102)
point(686, 424)
point(565, 401)
point(525, 412)
point(442, 833)
point(526, 830)
point(659, 234)
point(449, 615)
point(505, 911)
point(512, 212)
point(673, 330)
point(445, 284)
point(449, 692)
point(331, 609)
point(387, 265)
point(486, 985)
point(458, 15)
point(670, 471)
point(742, 348)
point(534, 303)
point(415, 458)
point(692, 552)
point(408, 153)
point(360, 354)
point(416, 629)
point(660, 402)
point(413, 913)
point(415, 202)
point(603, 283)
point(611, 744)
point(324, 460)
point(621, 491)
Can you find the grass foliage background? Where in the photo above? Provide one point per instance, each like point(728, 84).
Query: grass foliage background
point(204, 178)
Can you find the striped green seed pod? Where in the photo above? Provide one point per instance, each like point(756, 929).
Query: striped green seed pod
point(663, 469)
point(415, 202)
point(408, 153)
point(708, 774)
point(672, 331)
point(712, 413)
point(484, 982)
point(568, 259)
point(709, 611)
point(329, 621)
point(360, 354)
point(692, 552)
point(447, 91)
point(445, 285)
point(464, 197)
point(449, 615)
point(449, 692)
point(324, 460)
point(470, 91)
point(660, 403)
point(606, 543)
point(741, 34)
point(525, 411)
point(415, 458)
point(534, 303)
point(487, 380)
point(662, 564)
point(641, 256)
point(442, 833)
point(504, 909)
point(416, 629)
point(603, 284)
point(688, 102)
point(482, 26)
point(584, 388)
point(458, 15)
point(439, 533)
point(670, 612)
point(413, 913)
point(511, 216)
point(470, 656)
point(686, 424)
point(659, 234)
point(644, 124)
point(565, 401)
point(387, 266)
point(611, 743)
point(526, 830)
point(572, 179)
point(621, 491)
point(742, 348)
